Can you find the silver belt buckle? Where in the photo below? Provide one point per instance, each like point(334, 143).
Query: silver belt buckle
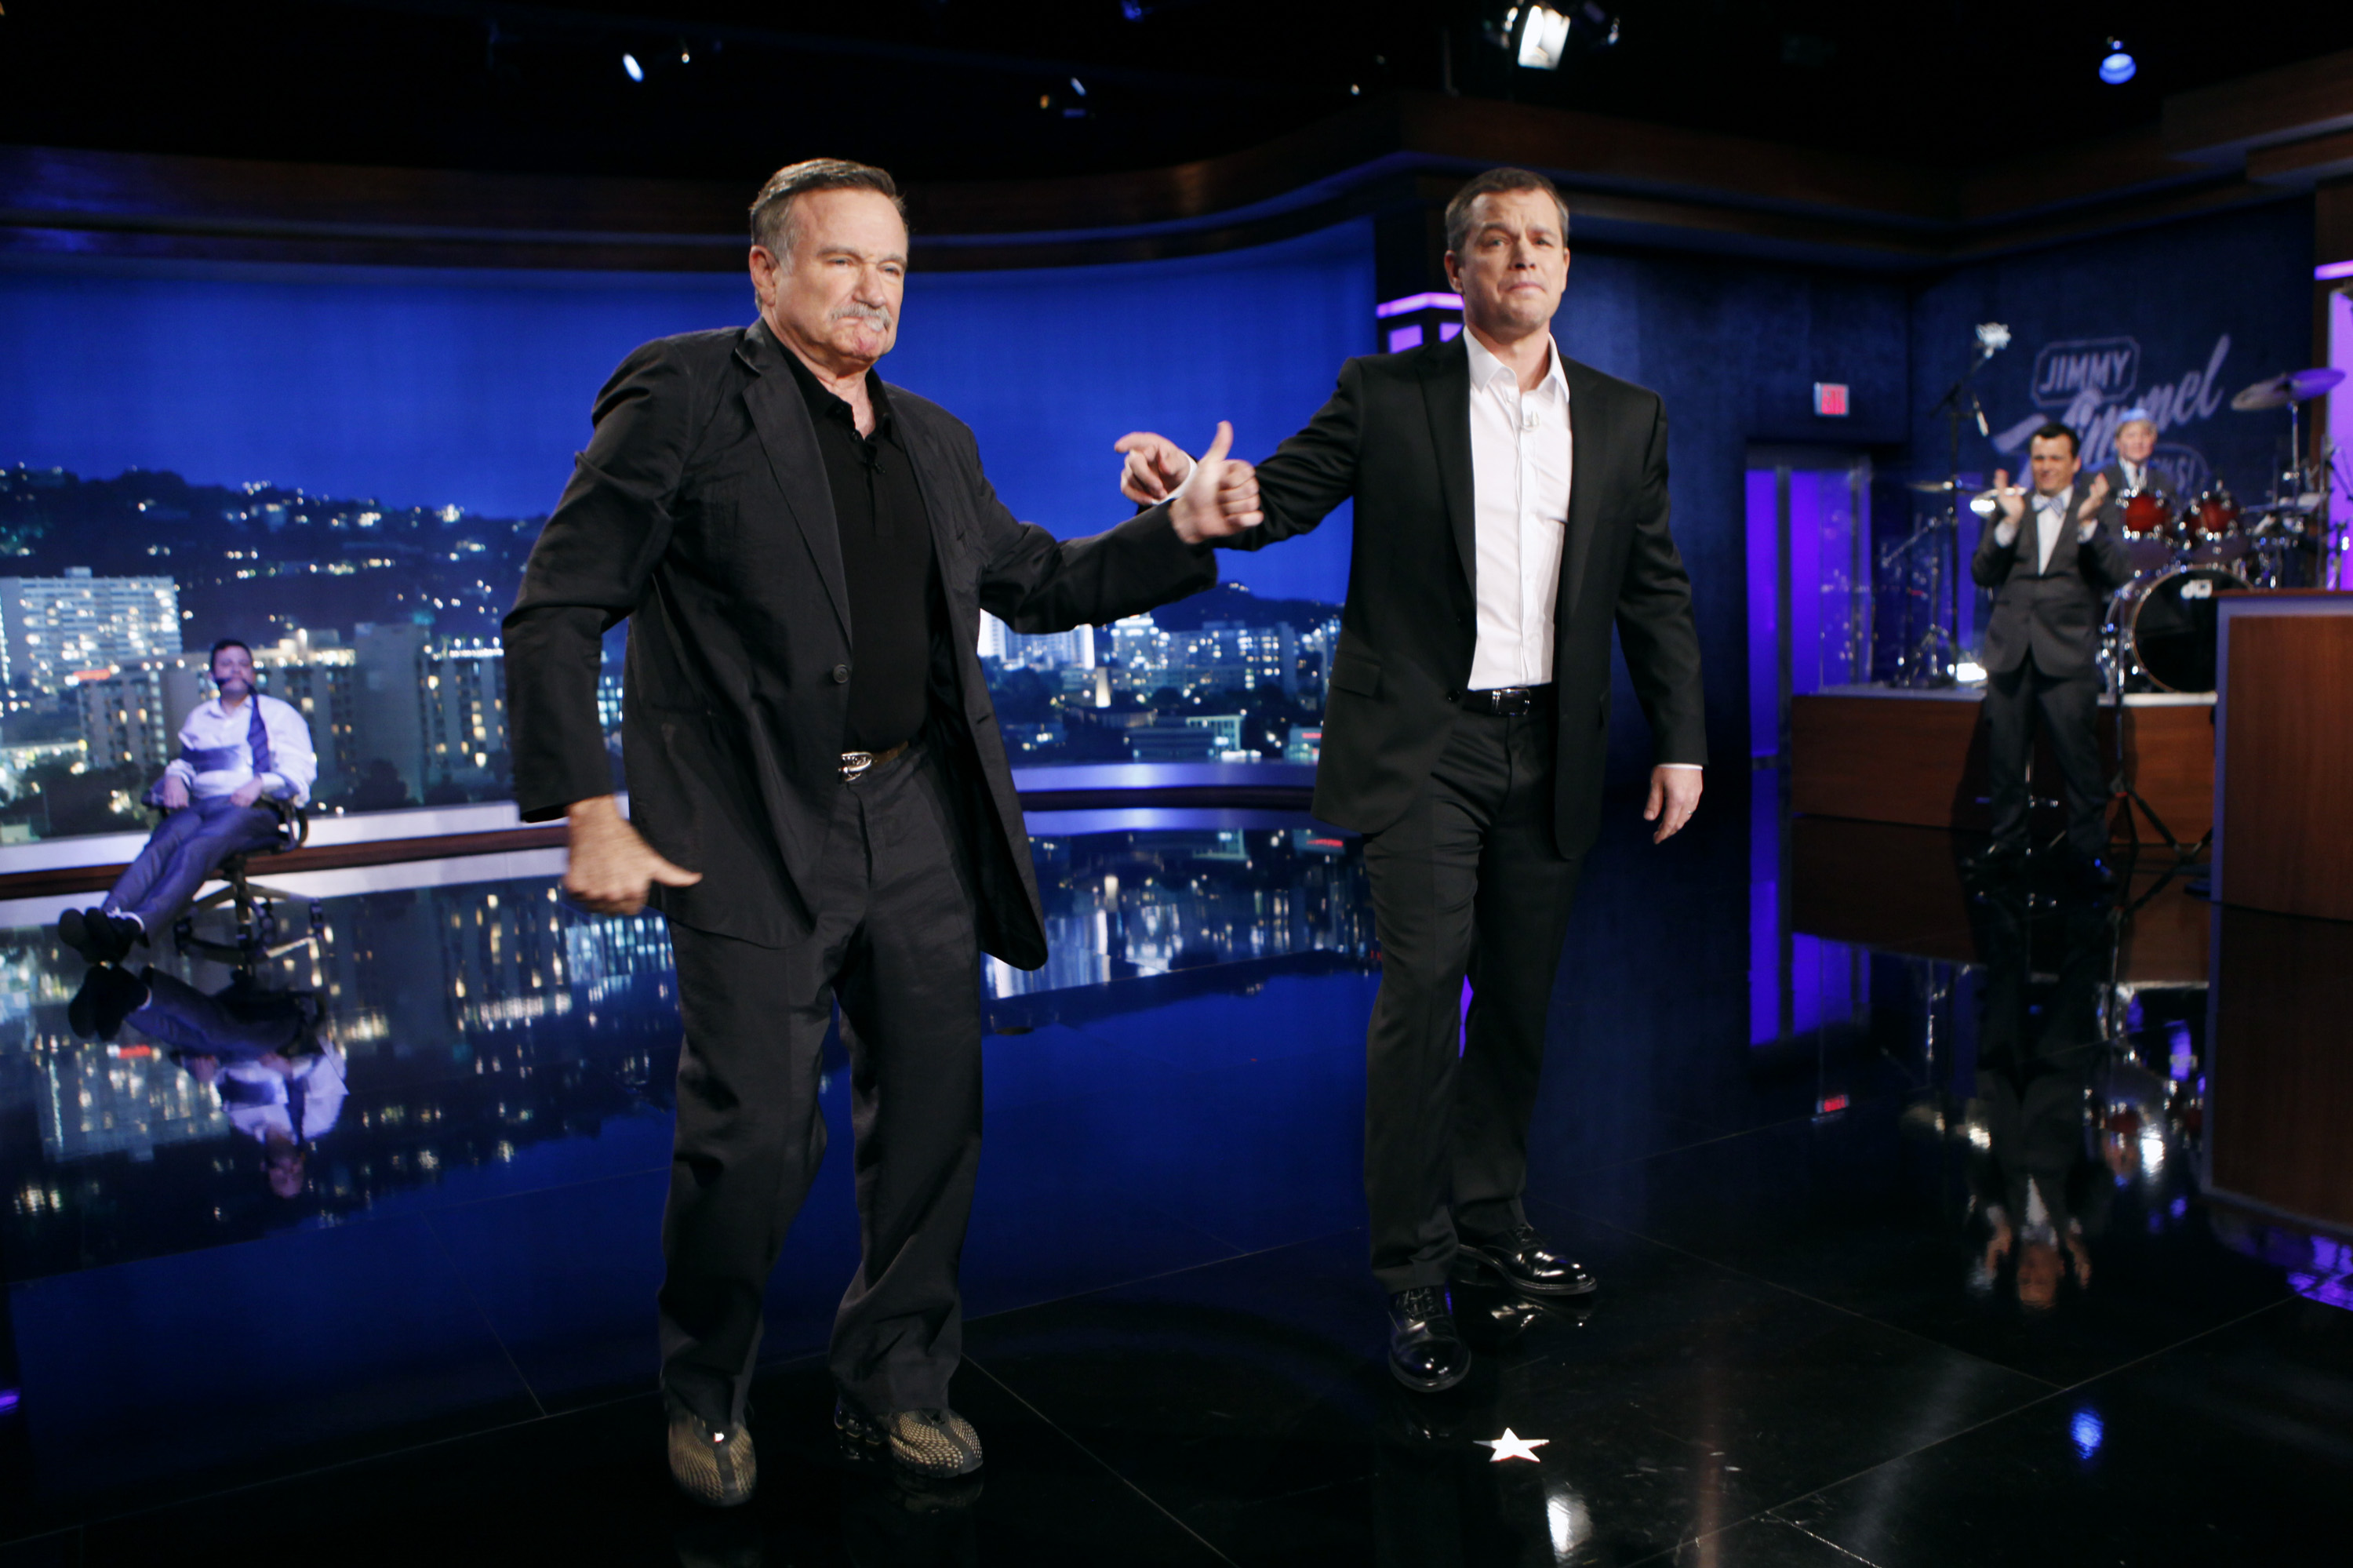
point(854, 765)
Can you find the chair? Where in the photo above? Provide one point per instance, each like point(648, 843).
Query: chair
point(254, 904)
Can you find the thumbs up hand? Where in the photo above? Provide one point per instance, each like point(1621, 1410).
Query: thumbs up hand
point(1221, 497)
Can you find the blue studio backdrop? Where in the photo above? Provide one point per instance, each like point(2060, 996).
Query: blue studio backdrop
point(416, 387)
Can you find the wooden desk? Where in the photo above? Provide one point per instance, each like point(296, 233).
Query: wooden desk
point(2284, 754)
point(2280, 1080)
point(1918, 759)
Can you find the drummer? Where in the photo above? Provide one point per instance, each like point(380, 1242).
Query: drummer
point(2132, 473)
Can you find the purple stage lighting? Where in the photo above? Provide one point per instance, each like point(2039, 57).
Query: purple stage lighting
point(1388, 308)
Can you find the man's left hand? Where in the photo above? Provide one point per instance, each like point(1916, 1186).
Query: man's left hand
point(1674, 796)
point(1155, 466)
point(246, 793)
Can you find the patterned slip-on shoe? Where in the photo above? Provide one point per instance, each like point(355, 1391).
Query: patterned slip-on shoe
point(934, 1442)
point(711, 1464)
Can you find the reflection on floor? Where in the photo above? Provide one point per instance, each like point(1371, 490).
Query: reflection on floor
point(1935, 1223)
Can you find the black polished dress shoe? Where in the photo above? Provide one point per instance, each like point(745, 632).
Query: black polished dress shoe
point(98, 937)
point(1426, 1352)
point(107, 997)
point(1522, 1261)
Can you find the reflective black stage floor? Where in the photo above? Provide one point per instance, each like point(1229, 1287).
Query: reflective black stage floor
point(399, 1308)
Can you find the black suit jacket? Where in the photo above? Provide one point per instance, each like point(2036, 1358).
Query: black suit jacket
point(701, 512)
point(1397, 435)
point(2053, 612)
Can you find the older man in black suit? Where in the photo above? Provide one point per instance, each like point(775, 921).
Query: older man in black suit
point(2051, 576)
point(1511, 509)
point(820, 803)
point(2133, 472)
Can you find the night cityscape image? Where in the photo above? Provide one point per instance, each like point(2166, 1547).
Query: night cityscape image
point(381, 626)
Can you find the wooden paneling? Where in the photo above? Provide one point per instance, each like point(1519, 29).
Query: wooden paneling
point(319, 857)
point(2306, 99)
point(1899, 890)
point(1639, 182)
point(2288, 774)
point(2302, 164)
point(2332, 235)
point(2170, 759)
point(1878, 885)
point(1918, 760)
point(1921, 760)
point(2280, 1077)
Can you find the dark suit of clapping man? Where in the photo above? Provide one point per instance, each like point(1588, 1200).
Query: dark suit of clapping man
point(1511, 507)
point(2052, 562)
point(819, 801)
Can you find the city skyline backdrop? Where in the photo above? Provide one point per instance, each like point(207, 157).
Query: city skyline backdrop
point(381, 626)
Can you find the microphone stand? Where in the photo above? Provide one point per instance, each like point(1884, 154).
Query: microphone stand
point(1939, 650)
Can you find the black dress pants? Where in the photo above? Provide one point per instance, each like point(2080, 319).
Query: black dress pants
point(894, 941)
point(2069, 705)
point(1467, 883)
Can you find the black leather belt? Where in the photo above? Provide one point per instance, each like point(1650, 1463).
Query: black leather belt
point(856, 765)
point(1507, 700)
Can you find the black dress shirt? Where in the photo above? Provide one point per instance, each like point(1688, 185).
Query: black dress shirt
point(896, 613)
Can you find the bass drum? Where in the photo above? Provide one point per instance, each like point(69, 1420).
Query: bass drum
point(2169, 624)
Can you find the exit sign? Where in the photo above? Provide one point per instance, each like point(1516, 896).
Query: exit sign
point(1830, 398)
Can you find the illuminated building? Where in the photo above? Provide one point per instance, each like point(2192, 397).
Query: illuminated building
point(51, 629)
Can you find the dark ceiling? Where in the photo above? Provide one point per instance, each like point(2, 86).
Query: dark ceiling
point(982, 88)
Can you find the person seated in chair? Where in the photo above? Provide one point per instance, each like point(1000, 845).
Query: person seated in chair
point(242, 758)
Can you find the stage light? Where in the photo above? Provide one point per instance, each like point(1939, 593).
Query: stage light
point(1969, 673)
point(2118, 67)
point(1542, 38)
point(631, 68)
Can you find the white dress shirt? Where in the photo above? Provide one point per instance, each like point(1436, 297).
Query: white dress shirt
point(319, 1081)
point(1520, 467)
point(227, 736)
point(2136, 474)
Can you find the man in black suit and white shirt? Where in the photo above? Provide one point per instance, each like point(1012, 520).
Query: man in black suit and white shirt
point(2051, 576)
point(820, 803)
point(1511, 508)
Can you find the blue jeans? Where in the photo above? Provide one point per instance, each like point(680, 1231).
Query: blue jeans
point(185, 848)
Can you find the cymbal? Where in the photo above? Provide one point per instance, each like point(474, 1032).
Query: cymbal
point(2279, 391)
point(1931, 486)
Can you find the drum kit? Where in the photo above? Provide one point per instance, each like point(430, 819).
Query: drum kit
point(2160, 634)
point(2187, 554)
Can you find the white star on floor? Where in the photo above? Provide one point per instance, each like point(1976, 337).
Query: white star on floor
point(1511, 1445)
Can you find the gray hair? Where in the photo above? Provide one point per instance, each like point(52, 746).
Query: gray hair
point(1458, 211)
point(772, 210)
